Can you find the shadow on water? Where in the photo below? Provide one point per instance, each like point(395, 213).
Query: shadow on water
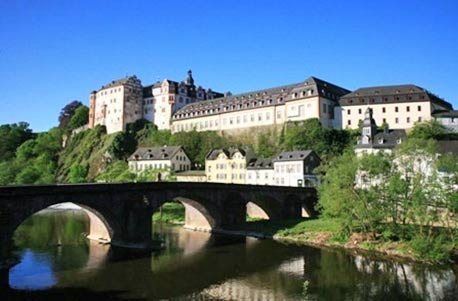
point(66, 294)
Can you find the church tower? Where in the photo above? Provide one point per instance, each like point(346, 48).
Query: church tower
point(369, 128)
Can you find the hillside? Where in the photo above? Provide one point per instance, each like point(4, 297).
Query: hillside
point(89, 149)
point(41, 159)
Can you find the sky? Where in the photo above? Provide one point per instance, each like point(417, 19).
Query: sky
point(56, 51)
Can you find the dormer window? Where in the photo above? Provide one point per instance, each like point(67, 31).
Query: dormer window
point(399, 141)
point(381, 141)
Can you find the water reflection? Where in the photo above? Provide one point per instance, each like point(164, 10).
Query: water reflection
point(57, 259)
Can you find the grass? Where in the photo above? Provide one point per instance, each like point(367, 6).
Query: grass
point(294, 227)
point(172, 213)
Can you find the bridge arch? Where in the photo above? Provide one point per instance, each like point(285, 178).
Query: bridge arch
point(268, 204)
point(103, 226)
point(197, 216)
point(200, 212)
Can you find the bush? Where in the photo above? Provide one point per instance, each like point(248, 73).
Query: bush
point(435, 249)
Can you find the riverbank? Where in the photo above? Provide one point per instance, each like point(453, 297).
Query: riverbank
point(171, 213)
point(326, 233)
point(322, 233)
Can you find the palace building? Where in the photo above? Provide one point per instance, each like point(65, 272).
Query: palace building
point(116, 104)
point(398, 106)
point(183, 106)
point(312, 98)
point(125, 101)
point(162, 99)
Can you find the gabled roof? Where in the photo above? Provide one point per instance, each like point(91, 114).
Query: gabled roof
point(385, 139)
point(260, 164)
point(120, 82)
point(214, 153)
point(148, 90)
point(445, 114)
point(292, 156)
point(155, 153)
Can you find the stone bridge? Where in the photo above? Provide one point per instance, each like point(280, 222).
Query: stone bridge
point(121, 213)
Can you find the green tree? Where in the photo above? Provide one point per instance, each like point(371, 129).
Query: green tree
point(77, 173)
point(116, 172)
point(26, 151)
point(427, 130)
point(29, 175)
point(79, 118)
point(339, 181)
point(11, 137)
point(265, 147)
point(67, 112)
point(8, 172)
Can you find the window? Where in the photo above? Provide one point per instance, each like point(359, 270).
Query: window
point(278, 114)
point(396, 120)
point(360, 111)
point(419, 108)
point(324, 108)
point(408, 109)
point(302, 110)
point(349, 122)
point(419, 119)
point(396, 109)
point(383, 110)
point(408, 119)
point(348, 112)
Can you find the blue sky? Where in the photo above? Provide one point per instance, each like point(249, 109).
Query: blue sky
point(52, 52)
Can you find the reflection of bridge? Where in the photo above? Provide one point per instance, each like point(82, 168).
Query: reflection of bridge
point(121, 213)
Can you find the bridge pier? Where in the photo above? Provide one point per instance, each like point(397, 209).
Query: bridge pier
point(138, 229)
point(4, 278)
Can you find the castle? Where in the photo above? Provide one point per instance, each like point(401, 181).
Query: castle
point(183, 106)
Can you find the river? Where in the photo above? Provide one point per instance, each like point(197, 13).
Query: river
point(56, 262)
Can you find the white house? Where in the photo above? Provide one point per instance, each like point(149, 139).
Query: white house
point(260, 172)
point(449, 119)
point(168, 158)
point(295, 168)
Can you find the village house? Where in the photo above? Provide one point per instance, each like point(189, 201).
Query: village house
point(227, 165)
point(170, 158)
point(295, 168)
point(260, 172)
point(449, 119)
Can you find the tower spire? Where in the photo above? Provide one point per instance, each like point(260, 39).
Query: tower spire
point(189, 79)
